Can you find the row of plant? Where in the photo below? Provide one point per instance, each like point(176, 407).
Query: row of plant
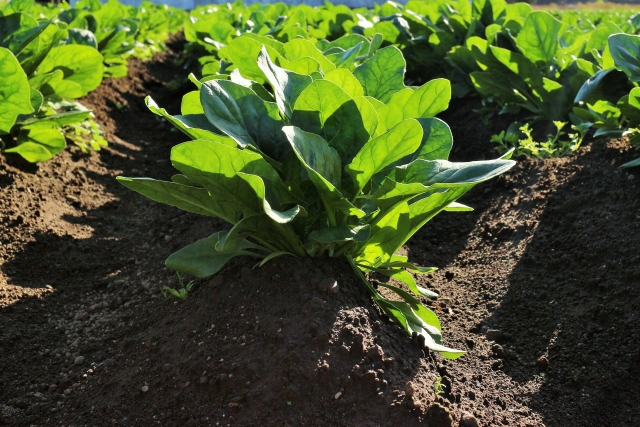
point(116, 30)
point(52, 55)
point(562, 74)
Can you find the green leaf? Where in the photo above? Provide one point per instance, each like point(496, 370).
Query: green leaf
point(368, 114)
point(39, 144)
point(13, 29)
point(15, 95)
point(31, 152)
point(272, 256)
point(323, 108)
point(286, 85)
point(56, 120)
point(259, 187)
point(406, 278)
point(188, 126)
point(216, 167)
point(442, 173)
point(20, 5)
point(436, 143)
point(625, 50)
point(388, 233)
point(457, 207)
point(244, 116)
point(425, 102)
point(409, 266)
point(391, 193)
point(191, 103)
point(80, 65)
point(299, 48)
point(631, 164)
point(83, 37)
point(304, 65)
point(243, 52)
point(538, 38)
point(402, 140)
point(185, 197)
point(314, 152)
point(346, 81)
point(413, 317)
point(341, 233)
point(383, 74)
point(201, 259)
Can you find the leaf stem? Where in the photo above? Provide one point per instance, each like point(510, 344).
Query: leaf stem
point(376, 296)
point(330, 214)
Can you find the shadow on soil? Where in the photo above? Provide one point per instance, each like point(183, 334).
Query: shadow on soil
point(572, 305)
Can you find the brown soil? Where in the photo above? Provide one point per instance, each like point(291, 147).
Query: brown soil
point(539, 284)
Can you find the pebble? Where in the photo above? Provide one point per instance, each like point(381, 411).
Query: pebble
point(145, 389)
point(631, 177)
point(337, 396)
point(409, 390)
point(79, 360)
point(326, 285)
point(468, 420)
point(542, 362)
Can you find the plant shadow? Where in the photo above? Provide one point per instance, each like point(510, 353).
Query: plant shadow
point(568, 321)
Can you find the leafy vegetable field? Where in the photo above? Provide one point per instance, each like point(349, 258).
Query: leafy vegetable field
point(418, 214)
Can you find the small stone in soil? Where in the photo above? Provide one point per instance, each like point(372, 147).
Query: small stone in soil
point(145, 388)
point(337, 396)
point(468, 420)
point(79, 360)
point(408, 390)
point(327, 284)
point(542, 362)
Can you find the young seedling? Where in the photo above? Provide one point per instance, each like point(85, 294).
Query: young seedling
point(182, 292)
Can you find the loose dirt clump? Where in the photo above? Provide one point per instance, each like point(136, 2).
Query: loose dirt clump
point(539, 284)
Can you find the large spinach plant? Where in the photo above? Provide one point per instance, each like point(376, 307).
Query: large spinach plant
point(340, 163)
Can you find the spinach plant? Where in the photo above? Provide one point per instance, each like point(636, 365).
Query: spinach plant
point(340, 163)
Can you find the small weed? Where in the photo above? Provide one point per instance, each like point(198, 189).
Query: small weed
point(438, 387)
point(520, 138)
point(181, 293)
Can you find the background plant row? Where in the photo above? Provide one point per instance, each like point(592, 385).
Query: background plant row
point(564, 72)
point(51, 55)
